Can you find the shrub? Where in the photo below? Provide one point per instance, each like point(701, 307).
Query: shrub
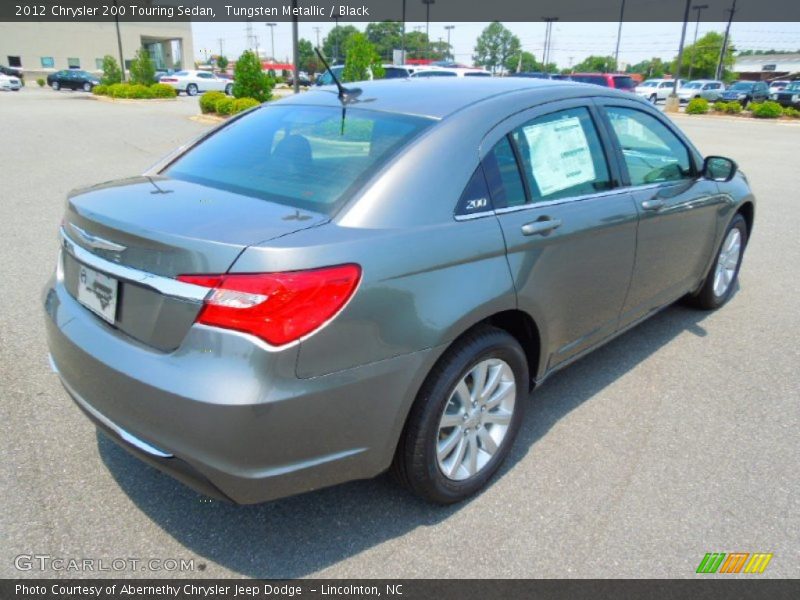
point(361, 57)
point(249, 80)
point(162, 90)
point(118, 90)
point(242, 104)
point(719, 106)
point(208, 101)
point(733, 108)
point(41, 82)
point(791, 112)
point(100, 90)
point(142, 69)
point(766, 110)
point(111, 71)
point(697, 106)
point(224, 106)
point(139, 92)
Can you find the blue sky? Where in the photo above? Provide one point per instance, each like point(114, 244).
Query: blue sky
point(571, 41)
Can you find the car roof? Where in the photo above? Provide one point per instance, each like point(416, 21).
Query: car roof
point(437, 97)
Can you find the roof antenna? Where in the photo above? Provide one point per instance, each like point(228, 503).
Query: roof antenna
point(345, 94)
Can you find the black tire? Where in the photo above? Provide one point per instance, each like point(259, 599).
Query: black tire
point(415, 463)
point(745, 102)
point(705, 298)
point(191, 90)
point(653, 99)
point(55, 85)
point(229, 89)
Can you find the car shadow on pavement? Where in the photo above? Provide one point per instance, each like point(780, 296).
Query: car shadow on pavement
point(298, 536)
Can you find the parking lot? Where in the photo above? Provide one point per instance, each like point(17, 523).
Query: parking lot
point(676, 439)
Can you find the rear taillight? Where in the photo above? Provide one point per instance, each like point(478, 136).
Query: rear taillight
point(168, 79)
point(277, 307)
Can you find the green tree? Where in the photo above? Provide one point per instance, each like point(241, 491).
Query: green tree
point(416, 42)
point(704, 55)
point(495, 45)
point(249, 79)
point(334, 46)
point(361, 57)
point(385, 36)
point(594, 64)
point(649, 69)
point(222, 63)
point(522, 62)
point(306, 58)
point(111, 71)
point(142, 69)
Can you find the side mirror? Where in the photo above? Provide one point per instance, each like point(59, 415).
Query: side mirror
point(719, 168)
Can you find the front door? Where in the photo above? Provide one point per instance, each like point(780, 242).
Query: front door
point(570, 231)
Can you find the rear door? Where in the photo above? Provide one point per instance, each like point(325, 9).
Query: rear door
point(570, 230)
point(677, 206)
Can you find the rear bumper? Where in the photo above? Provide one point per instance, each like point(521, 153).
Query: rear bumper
point(227, 416)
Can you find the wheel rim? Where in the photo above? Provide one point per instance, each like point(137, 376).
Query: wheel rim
point(55, 85)
point(87, 87)
point(727, 262)
point(476, 419)
point(191, 90)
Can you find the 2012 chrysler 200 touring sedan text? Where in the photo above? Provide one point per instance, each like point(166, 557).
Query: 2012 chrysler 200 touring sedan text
point(335, 284)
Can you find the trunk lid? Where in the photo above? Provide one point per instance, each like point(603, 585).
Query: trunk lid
point(163, 227)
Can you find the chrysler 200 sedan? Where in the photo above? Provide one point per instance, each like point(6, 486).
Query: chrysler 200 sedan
point(333, 285)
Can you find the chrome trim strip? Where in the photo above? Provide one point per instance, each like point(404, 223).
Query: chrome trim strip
point(125, 435)
point(96, 241)
point(477, 215)
point(559, 201)
point(164, 285)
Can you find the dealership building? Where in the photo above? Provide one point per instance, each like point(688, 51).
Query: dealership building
point(39, 48)
point(766, 67)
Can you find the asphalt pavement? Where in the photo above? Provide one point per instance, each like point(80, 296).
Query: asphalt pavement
point(677, 439)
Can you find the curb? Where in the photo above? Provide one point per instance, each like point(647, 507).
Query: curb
point(208, 119)
point(789, 122)
point(131, 100)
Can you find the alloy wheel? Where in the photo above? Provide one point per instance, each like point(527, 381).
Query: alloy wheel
point(475, 419)
point(727, 262)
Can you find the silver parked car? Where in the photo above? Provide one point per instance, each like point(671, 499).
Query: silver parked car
point(708, 89)
point(657, 89)
point(329, 285)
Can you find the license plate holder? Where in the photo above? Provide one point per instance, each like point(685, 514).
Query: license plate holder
point(98, 292)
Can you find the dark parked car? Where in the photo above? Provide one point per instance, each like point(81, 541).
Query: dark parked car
point(745, 92)
point(789, 95)
point(72, 80)
point(12, 72)
point(626, 83)
point(309, 295)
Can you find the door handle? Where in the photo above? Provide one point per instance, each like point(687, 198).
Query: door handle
point(653, 204)
point(541, 227)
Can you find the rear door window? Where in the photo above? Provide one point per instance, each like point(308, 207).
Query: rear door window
point(503, 177)
point(562, 155)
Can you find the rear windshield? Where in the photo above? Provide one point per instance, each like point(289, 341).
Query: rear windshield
point(308, 157)
point(742, 85)
point(624, 83)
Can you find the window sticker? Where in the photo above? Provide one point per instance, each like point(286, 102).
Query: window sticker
point(560, 155)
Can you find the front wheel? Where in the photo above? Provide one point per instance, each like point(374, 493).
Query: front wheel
point(191, 90)
point(721, 280)
point(465, 418)
point(653, 99)
point(87, 87)
point(55, 85)
point(229, 89)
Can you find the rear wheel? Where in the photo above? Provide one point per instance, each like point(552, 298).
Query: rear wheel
point(653, 99)
point(87, 87)
point(720, 282)
point(229, 89)
point(465, 418)
point(55, 85)
point(191, 90)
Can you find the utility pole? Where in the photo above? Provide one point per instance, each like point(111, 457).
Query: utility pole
point(119, 44)
point(427, 4)
point(272, 37)
point(672, 103)
point(317, 30)
point(721, 61)
point(699, 8)
point(295, 47)
point(249, 33)
point(449, 28)
point(336, 17)
point(619, 35)
point(548, 38)
point(403, 36)
point(220, 40)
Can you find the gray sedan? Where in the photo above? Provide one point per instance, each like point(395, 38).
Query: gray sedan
point(336, 284)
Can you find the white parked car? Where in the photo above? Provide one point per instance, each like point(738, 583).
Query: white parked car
point(197, 82)
point(657, 89)
point(449, 72)
point(778, 86)
point(10, 83)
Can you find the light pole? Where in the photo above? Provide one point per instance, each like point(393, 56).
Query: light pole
point(119, 44)
point(427, 4)
point(272, 37)
point(317, 30)
point(548, 37)
point(721, 61)
point(295, 48)
point(336, 17)
point(403, 36)
point(619, 35)
point(673, 104)
point(449, 28)
point(699, 8)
